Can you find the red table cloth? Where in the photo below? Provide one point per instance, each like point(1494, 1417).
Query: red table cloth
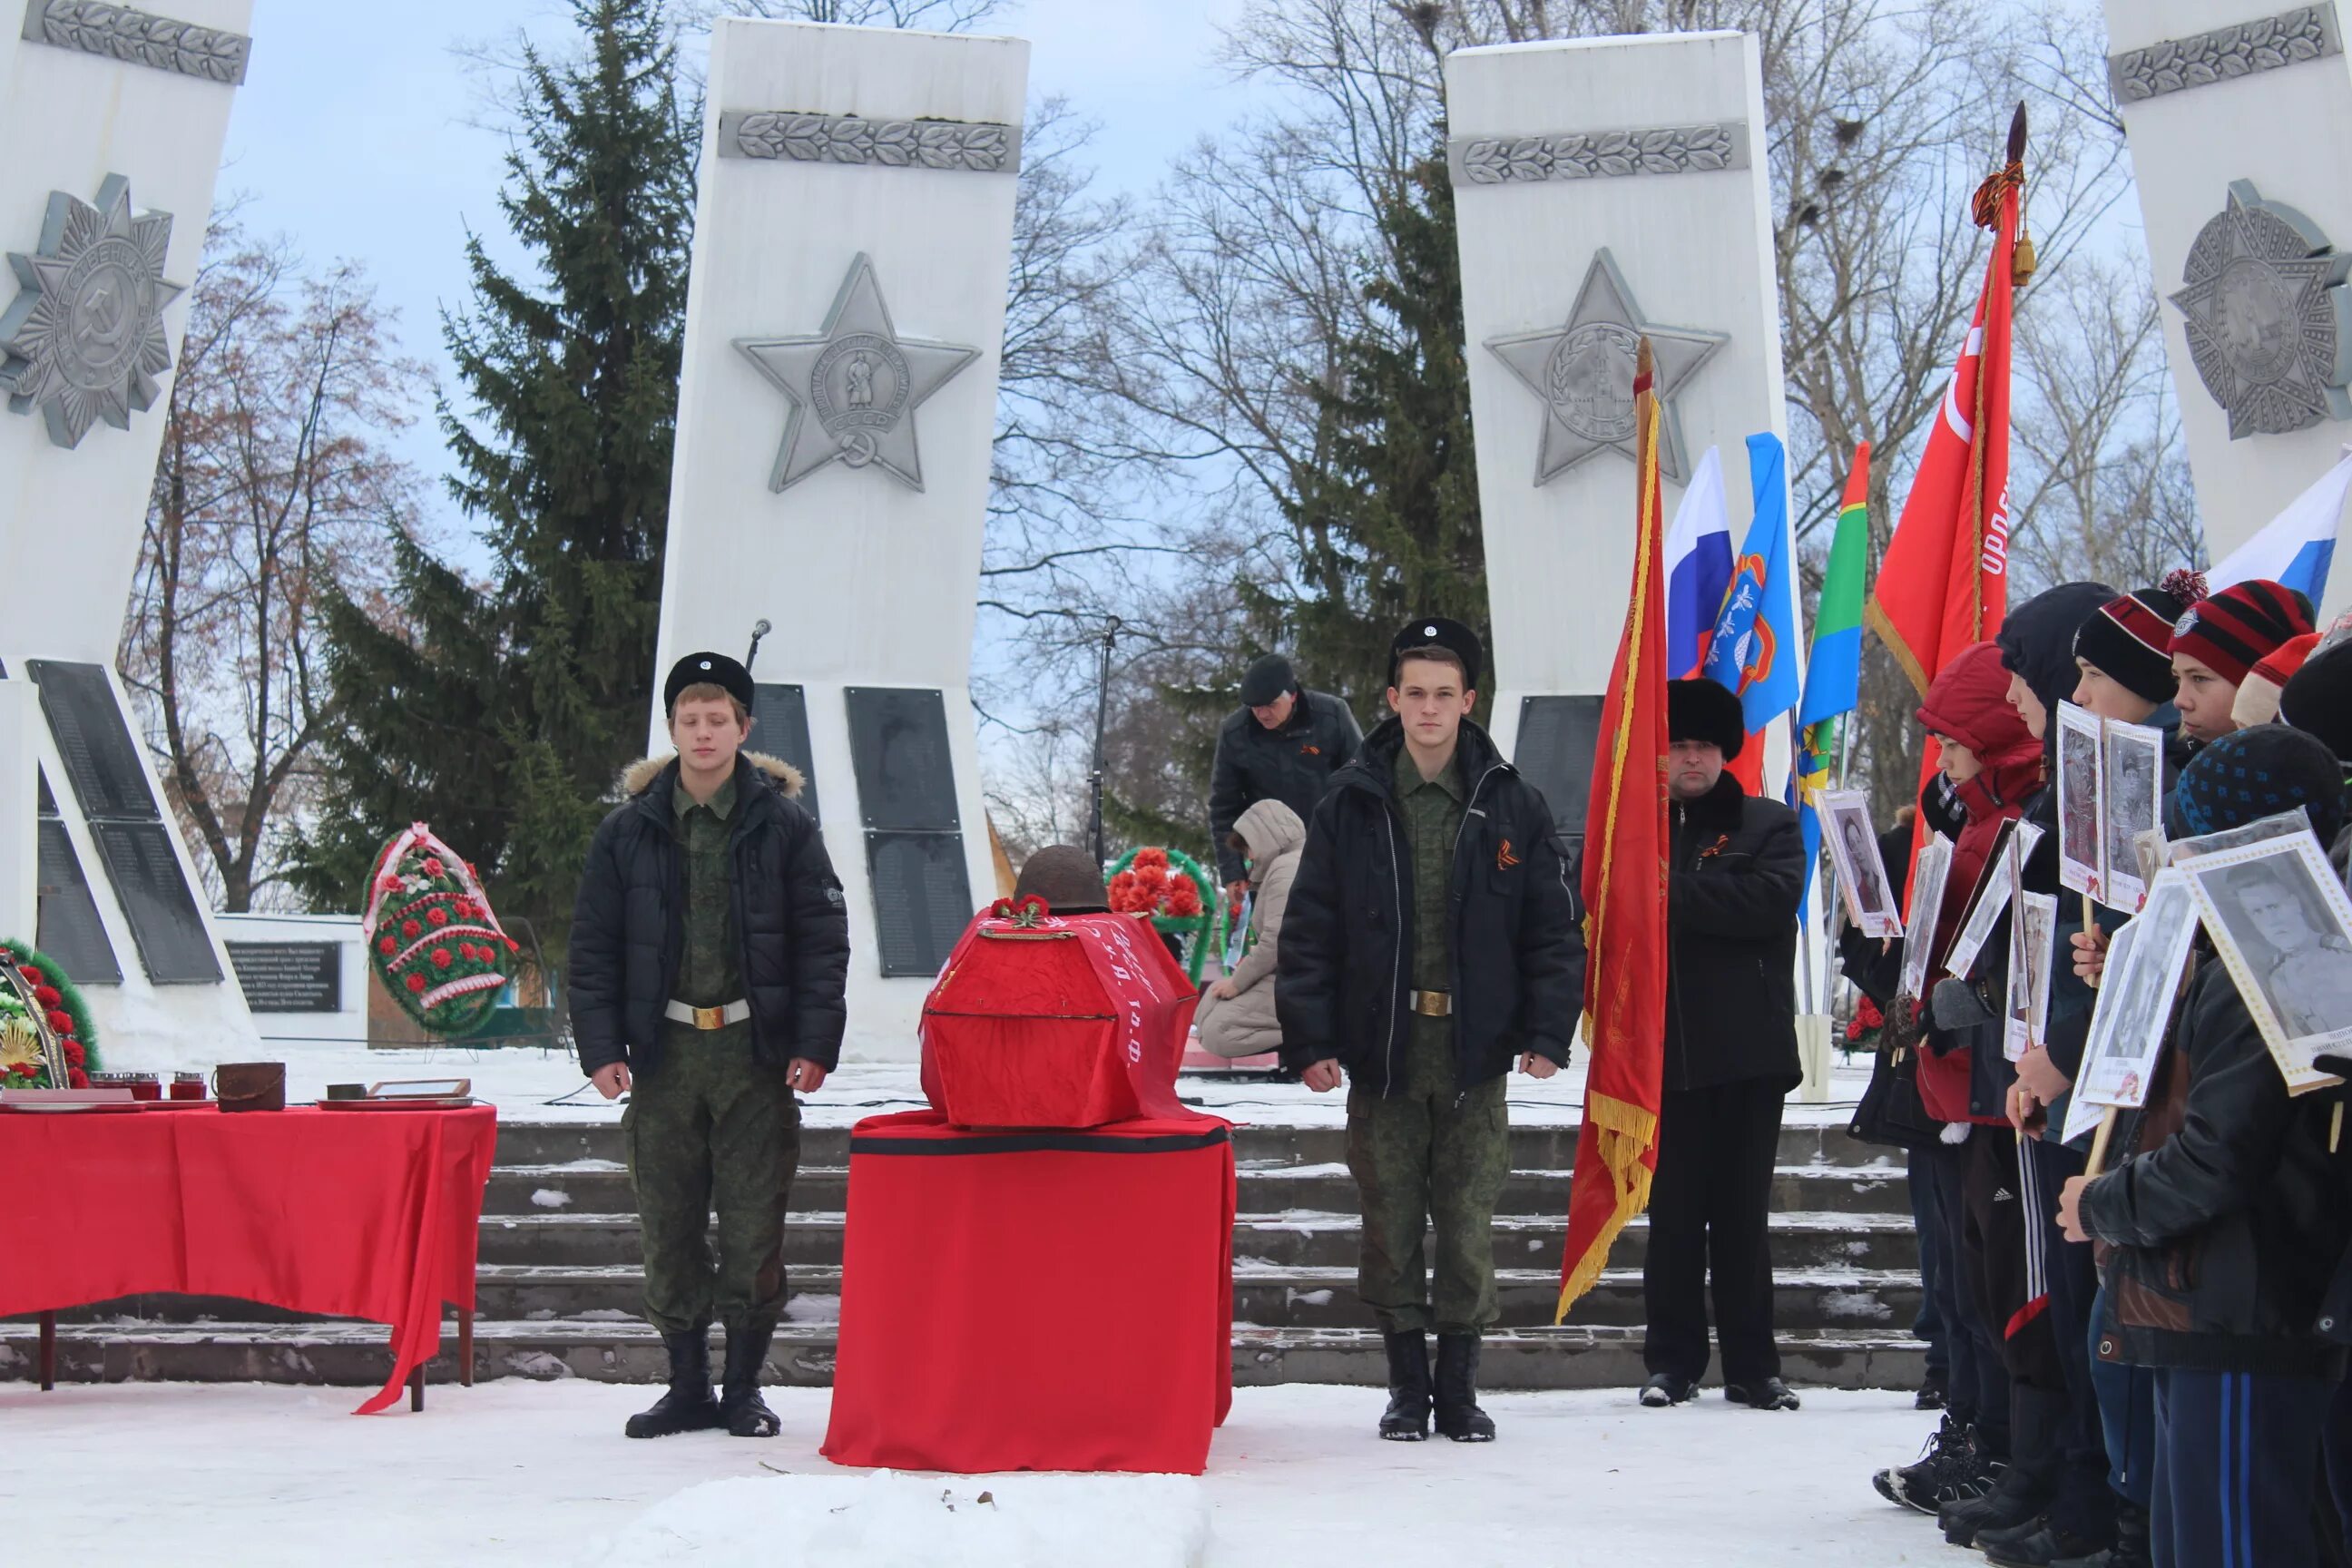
point(370, 1214)
point(1035, 1300)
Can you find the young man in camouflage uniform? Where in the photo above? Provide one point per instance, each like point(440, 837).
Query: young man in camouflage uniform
point(710, 952)
point(1431, 941)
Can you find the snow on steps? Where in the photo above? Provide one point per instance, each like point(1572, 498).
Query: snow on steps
point(561, 1285)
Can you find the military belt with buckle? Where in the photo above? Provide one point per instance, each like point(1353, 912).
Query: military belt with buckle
point(708, 1017)
point(1430, 1004)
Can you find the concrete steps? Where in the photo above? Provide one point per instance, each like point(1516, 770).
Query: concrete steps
point(352, 1355)
point(561, 1286)
point(1267, 1295)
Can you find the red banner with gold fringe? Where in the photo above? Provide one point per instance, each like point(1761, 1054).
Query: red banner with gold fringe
point(1626, 844)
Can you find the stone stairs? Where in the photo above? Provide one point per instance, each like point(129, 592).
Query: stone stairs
point(560, 1283)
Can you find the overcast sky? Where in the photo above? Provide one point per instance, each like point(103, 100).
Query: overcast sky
point(364, 138)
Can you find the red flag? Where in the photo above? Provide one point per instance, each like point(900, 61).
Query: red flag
point(1944, 583)
point(1626, 846)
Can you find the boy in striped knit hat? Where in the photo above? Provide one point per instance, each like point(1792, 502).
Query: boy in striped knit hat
point(2124, 653)
point(2219, 640)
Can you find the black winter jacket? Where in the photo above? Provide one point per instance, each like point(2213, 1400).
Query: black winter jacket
point(2228, 1220)
point(1345, 960)
point(628, 926)
point(1737, 873)
point(1293, 764)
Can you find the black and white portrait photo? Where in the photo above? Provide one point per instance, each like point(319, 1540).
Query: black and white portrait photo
point(2131, 803)
point(2078, 799)
point(1870, 897)
point(2135, 1002)
point(2278, 916)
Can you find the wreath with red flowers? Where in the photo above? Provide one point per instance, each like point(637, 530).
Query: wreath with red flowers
point(1169, 888)
point(41, 986)
point(431, 939)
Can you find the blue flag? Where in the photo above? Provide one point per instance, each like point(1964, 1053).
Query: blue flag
point(1755, 649)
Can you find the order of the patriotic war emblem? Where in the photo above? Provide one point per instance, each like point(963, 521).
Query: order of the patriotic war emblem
point(2268, 316)
point(853, 388)
point(84, 339)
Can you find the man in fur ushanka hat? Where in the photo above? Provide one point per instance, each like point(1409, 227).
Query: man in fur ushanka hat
point(709, 955)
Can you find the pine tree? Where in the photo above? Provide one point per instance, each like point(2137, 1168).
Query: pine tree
point(500, 713)
point(1387, 528)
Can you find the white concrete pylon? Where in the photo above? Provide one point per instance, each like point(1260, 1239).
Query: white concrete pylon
point(853, 234)
point(2239, 115)
point(1639, 160)
point(113, 121)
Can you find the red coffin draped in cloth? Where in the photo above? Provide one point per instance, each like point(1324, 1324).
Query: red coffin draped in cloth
point(1043, 1020)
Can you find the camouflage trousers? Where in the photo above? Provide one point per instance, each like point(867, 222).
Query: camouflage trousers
point(1438, 1153)
point(712, 1126)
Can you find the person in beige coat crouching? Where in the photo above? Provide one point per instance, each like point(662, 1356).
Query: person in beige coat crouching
point(1236, 1017)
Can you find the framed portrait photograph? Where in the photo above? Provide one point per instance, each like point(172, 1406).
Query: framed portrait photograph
point(1933, 869)
point(2078, 799)
point(2034, 936)
point(2138, 991)
point(2280, 920)
point(2131, 805)
point(1870, 900)
point(1989, 900)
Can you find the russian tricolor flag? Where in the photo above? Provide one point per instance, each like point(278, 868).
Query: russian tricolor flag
point(2296, 548)
point(1698, 568)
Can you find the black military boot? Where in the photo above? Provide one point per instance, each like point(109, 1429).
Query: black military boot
point(1406, 1420)
point(2130, 1550)
point(741, 1410)
point(1458, 1415)
point(688, 1407)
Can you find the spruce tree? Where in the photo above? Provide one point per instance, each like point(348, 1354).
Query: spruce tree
point(501, 712)
point(1388, 526)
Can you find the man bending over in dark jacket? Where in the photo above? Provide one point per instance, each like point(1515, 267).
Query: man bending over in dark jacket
point(1432, 939)
point(1737, 872)
point(710, 952)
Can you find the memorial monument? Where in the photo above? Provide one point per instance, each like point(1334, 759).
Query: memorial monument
point(853, 240)
point(1603, 188)
point(113, 119)
point(2238, 113)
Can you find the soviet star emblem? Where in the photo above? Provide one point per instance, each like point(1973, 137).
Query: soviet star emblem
point(853, 388)
point(84, 339)
point(2268, 317)
point(1583, 374)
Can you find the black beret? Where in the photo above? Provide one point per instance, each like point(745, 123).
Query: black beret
point(1703, 710)
point(1268, 676)
point(708, 668)
point(1436, 631)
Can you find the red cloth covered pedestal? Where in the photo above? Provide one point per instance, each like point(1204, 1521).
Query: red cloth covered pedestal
point(1046, 1301)
point(350, 1213)
point(1059, 1021)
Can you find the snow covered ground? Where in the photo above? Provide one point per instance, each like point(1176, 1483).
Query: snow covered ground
point(541, 1086)
point(514, 1472)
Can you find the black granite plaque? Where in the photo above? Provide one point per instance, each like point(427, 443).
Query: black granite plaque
point(780, 728)
point(156, 901)
point(66, 926)
point(922, 899)
point(898, 745)
point(288, 976)
point(101, 760)
point(1558, 736)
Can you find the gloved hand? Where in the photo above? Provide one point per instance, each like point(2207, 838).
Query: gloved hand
point(1958, 1005)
